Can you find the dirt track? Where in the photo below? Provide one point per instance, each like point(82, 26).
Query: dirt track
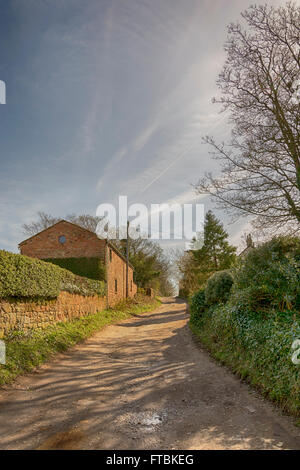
point(141, 384)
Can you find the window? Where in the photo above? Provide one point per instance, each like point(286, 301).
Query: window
point(131, 285)
point(116, 286)
point(62, 239)
point(110, 255)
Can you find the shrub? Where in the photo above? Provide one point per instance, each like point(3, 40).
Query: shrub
point(197, 306)
point(271, 273)
point(252, 299)
point(254, 330)
point(24, 277)
point(21, 276)
point(183, 293)
point(198, 303)
point(218, 287)
point(93, 268)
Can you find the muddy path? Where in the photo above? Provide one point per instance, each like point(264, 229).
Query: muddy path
point(144, 383)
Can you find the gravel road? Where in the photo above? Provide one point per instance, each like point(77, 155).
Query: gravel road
point(144, 383)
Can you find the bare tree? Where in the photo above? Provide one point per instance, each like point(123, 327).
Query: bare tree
point(46, 220)
point(152, 266)
point(43, 221)
point(260, 88)
point(84, 220)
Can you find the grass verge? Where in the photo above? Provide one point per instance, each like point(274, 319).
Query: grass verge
point(27, 350)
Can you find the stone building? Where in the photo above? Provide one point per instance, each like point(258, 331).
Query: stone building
point(67, 240)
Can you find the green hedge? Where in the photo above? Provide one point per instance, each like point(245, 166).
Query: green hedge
point(198, 306)
point(24, 277)
point(218, 287)
point(93, 268)
point(269, 277)
point(254, 330)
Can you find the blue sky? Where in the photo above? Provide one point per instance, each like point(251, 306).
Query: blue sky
point(107, 97)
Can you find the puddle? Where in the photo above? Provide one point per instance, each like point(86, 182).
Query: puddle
point(145, 421)
point(152, 420)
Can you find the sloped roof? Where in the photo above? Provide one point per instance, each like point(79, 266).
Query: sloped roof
point(57, 223)
point(246, 250)
point(110, 244)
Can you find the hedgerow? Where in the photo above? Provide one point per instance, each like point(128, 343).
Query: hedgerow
point(198, 306)
point(218, 287)
point(254, 330)
point(24, 277)
point(270, 275)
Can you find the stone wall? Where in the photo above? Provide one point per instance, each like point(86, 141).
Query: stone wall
point(16, 315)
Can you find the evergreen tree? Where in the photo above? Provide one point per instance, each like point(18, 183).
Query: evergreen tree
point(215, 255)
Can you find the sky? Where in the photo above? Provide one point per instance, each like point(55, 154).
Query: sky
point(107, 98)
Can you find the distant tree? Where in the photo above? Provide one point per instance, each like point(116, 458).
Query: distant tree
point(43, 221)
point(46, 220)
point(260, 88)
point(84, 220)
point(216, 254)
point(188, 275)
point(152, 268)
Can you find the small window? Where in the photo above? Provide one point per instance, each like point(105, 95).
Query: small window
point(62, 239)
point(131, 285)
point(116, 286)
point(110, 255)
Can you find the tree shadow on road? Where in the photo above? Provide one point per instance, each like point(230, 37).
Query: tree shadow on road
point(136, 391)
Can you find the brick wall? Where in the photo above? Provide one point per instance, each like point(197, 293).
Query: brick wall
point(79, 243)
point(116, 276)
point(26, 315)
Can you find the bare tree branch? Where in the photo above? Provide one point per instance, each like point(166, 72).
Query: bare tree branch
point(260, 165)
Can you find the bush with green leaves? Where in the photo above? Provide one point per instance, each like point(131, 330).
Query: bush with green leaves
point(183, 293)
point(270, 275)
point(197, 306)
point(254, 330)
point(218, 287)
point(24, 277)
point(198, 303)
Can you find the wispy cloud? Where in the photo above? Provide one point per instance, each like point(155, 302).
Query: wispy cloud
point(106, 98)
